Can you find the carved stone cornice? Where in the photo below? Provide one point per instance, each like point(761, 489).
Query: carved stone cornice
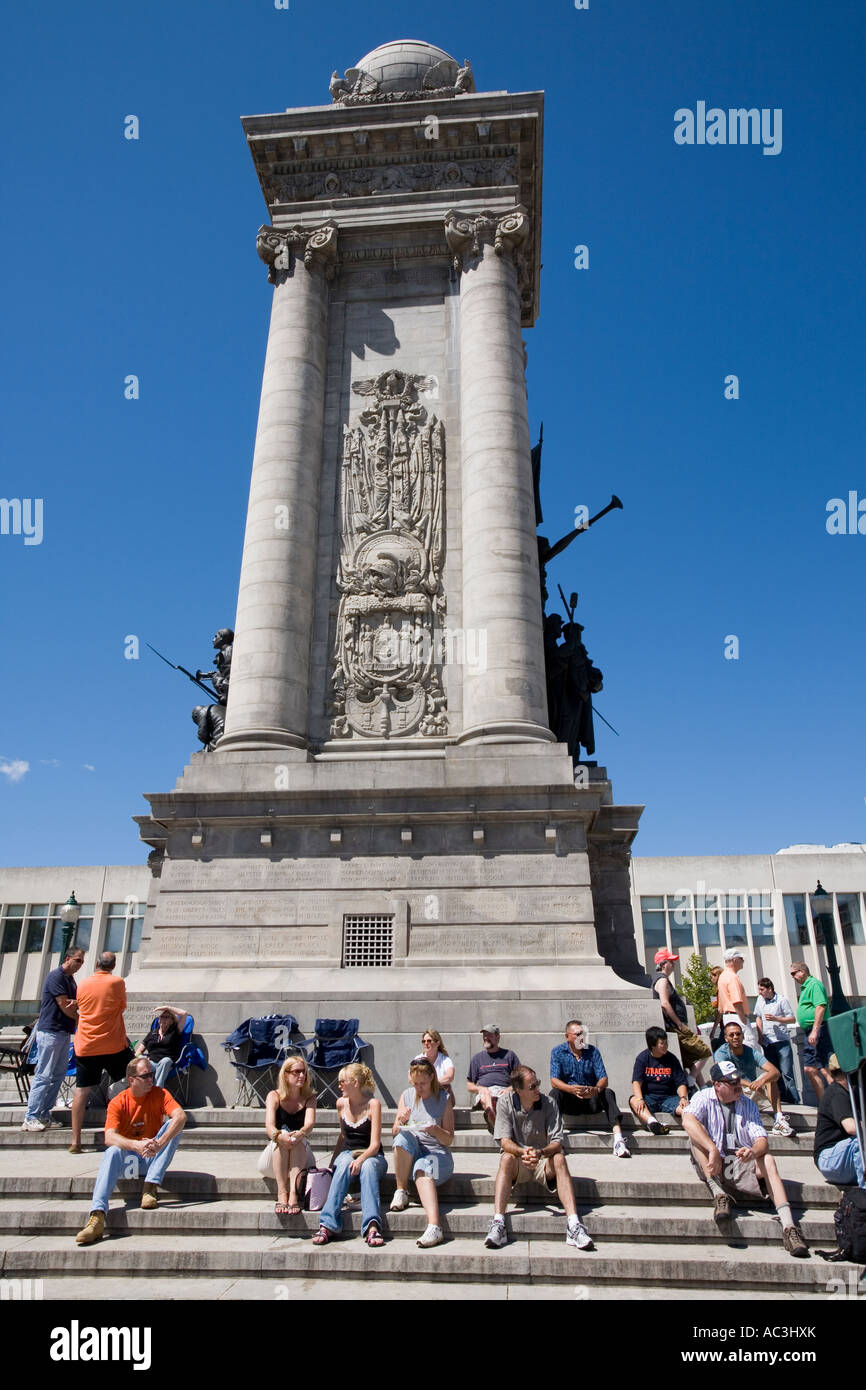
point(280, 247)
point(357, 177)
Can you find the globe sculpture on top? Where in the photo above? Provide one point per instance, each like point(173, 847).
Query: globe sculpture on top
point(404, 70)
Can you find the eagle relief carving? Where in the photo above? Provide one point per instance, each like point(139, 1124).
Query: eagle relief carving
point(387, 674)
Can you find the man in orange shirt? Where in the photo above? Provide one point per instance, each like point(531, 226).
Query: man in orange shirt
point(100, 1040)
point(733, 1002)
point(142, 1130)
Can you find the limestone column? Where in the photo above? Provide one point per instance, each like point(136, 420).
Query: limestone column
point(501, 596)
point(270, 674)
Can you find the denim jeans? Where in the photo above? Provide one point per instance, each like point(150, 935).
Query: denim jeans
point(843, 1163)
point(52, 1061)
point(161, 1070)
point(372, 1172)
point(438, 1165)
point(123, 1163)
point(664, 1105)
point(781, 1054)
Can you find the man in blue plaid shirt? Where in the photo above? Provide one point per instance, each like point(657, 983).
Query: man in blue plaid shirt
point(579, 1079)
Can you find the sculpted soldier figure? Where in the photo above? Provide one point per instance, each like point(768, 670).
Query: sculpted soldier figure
point(223, 641)
point(572, 680)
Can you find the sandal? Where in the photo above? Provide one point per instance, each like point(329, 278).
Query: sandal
point(293, 1209)
point(323, 1236)
point(374, 1236)
point(281, 1209)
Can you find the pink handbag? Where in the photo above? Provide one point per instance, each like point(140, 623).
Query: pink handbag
point(318, 1187)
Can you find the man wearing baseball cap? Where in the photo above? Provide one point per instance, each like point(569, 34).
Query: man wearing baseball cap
point(733, 1002)
point(728, 1147)
point(693, 1050)
point(490, 1073)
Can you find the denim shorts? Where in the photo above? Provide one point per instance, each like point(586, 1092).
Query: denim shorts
point(436, 1164)
point(819, 1055)
point(666, 1105)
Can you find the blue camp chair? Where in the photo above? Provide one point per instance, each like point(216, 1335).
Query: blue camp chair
point(335, 1044)
point(190, 1056)
point(258, 1047)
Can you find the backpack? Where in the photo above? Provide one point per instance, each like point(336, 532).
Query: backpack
point(850, 1221)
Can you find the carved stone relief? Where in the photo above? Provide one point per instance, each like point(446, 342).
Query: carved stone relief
point(317, 246)
point(396, 178)
point(360, 88)
point(388, 647)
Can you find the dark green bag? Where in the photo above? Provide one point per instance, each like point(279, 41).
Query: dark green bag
point(848, 1035)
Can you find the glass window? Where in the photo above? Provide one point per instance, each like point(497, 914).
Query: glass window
point(653, 917)
point(849, 916)
point(38, 910)
point(795, 918)
point(115, 933)
point(761, 918)
point(680, 919)
point(11, 936)
point(707, 919)
point(35, 936)
point(734, 919)
point(56, 936)
point(822, 910)
point(83, 932)
point(135, 937)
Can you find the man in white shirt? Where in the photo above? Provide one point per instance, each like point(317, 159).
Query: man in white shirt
point(773, 1012)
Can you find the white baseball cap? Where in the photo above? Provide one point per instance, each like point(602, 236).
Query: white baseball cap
point(733, 952)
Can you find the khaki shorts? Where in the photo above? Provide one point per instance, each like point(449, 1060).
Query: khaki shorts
point(534, 1177)
point(692, 1047)
point(738, 1179)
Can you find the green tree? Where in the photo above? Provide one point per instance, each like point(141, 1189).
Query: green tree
point(698, 989)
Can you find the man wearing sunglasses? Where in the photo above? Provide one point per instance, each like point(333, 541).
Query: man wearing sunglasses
point(142, 1131)
point(729, 1151)
point(530, 1133)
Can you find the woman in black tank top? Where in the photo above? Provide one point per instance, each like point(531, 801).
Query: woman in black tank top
point(290, 1115)
point(357, 1152)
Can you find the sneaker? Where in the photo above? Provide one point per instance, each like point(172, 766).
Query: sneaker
point(722, 1207)
point(497, 1236)
point(781, 1126)
point(578, 1235)
point(149, 1197)
point(793, 1241)
point(432, 1236)
point(400, 1200)
point(655, 1128)
point(621, 1148)
point(33, 1126)
point(93, 1231)
point(49, 1123)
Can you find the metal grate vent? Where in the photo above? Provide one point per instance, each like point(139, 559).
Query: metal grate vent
point(367, 940)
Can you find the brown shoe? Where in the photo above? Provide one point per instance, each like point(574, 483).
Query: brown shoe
point(149, 1197)
point(794, 1243)
point(93, 1231)
point(75, 1149)
point(722, 1207)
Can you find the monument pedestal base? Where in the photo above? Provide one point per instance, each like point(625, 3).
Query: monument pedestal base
point(474, 886)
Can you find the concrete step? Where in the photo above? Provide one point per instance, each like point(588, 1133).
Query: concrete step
point(539, 1260)
point(662, 1224)
point(662, 1178)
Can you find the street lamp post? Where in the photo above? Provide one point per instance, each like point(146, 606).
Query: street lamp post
point(69, 915)
point(822, 912)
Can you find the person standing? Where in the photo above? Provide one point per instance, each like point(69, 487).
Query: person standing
point(58, 1015)
point(773, 1012)
point(811, 1015)
point(100, 1040)
point(578, 1076)
point(693, 1050)
point(733, 1002)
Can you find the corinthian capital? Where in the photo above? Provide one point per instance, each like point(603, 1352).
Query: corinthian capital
point(279, 248)
point(468, 234)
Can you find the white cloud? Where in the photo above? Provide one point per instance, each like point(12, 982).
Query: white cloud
point(14, 768)
point(88, 767)
point(50, 762)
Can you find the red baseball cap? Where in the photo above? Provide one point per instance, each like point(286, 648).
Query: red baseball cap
point(663, 955)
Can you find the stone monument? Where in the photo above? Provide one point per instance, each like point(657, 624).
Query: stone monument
point(386, 828)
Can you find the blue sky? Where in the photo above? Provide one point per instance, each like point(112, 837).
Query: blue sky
point(139, 257)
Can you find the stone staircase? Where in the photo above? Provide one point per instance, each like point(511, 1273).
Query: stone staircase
point(215, 1233)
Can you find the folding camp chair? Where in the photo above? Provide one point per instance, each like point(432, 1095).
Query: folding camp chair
point(190, 1056)
point(258, 1047)
point(336, 1043)
point(15, 1057)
